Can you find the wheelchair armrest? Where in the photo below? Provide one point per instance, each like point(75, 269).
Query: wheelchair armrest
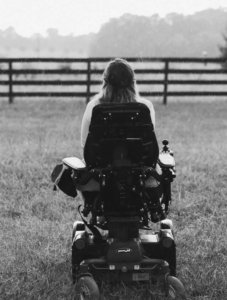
point(166, 160)
point(74, 163)
point(79, 174)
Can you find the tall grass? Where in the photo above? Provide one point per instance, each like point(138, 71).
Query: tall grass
point(36, 222)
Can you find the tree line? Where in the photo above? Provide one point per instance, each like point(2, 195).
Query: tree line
point(131, 35)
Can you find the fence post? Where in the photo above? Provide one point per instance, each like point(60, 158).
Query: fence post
point(166, 71)
point(88, 79)
point(10, 82)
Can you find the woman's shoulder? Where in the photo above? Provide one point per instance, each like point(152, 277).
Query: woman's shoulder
point(94, 101)
point(145, 101)
point(91, 104)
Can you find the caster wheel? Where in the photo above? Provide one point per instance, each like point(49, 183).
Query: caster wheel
point(87, 289)
point(175, 289)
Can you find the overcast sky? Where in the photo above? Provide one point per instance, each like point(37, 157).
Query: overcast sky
point(84, 16)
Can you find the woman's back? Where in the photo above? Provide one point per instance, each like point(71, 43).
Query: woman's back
point(119, 86)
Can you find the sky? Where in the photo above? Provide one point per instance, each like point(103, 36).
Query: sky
point(84, 16)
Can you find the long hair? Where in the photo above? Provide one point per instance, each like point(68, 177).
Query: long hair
point(119, 85)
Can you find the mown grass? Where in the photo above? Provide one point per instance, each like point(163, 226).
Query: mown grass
point(36, 222)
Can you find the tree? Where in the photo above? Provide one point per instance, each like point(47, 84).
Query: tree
point(173, 35)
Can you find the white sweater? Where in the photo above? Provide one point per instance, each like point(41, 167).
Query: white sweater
point(88, 113)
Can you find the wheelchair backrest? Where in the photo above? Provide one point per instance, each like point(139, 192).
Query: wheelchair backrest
point(121, 135)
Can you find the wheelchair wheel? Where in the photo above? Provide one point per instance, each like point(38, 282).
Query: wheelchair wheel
point(87, 289)
point(76, 259)
point(76, 256)
point(175, 289)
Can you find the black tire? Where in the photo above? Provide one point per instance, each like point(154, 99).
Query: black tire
point(87, 289)
point(76, 259)
point(176, 289)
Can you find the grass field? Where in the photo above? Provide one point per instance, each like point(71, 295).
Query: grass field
point(36, 222)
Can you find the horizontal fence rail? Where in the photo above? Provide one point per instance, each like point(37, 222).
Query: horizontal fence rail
point(82, 77)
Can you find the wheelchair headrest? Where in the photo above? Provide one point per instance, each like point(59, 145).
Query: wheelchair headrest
point(121, 134)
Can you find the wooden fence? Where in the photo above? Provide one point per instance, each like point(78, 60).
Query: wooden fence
point(77, 77)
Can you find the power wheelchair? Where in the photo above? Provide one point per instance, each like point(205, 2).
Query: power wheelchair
point(125, 183)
